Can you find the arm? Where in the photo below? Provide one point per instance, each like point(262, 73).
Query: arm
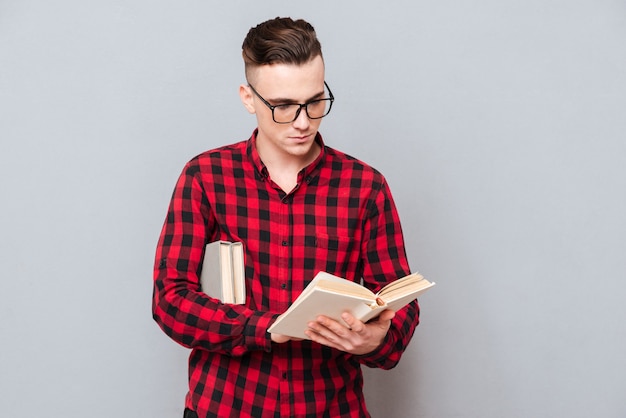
point(187, 315)
point(379, 343)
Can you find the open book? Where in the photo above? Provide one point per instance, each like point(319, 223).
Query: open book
point(223, 272)
point(331, 296)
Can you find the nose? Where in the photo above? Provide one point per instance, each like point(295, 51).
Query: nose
point(302, 122)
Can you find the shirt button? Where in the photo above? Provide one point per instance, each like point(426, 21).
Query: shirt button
point(285, 243)
point(283, 286)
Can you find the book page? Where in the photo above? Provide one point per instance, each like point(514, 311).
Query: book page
point(346, 287)
point(238, 273)
point(403, 285)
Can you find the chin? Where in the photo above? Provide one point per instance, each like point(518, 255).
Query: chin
point(301, 149)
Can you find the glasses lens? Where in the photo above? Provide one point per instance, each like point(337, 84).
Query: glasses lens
point(286, 113)
point(318, 108)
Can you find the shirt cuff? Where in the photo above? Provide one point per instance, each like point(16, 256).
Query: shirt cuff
point(380, 354)
point(255, 332)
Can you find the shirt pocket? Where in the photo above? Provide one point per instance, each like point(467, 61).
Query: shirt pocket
point(332, 254)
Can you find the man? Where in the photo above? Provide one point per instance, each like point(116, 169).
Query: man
point(299, 207)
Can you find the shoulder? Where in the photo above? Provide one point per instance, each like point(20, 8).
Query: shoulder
point(224, 153)
point(351, 167)
point(217, 159)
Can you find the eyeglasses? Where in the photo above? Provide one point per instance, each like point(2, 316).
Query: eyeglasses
point(287, 113)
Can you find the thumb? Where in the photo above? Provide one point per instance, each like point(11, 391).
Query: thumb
point(387, 315)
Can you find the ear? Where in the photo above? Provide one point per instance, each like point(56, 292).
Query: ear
point(247, 98)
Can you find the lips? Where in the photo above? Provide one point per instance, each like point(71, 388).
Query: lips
point(302, 138)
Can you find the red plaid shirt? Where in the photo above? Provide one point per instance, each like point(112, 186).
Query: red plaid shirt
point(340, 218)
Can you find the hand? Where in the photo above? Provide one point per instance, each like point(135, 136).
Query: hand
point(279, 338)
point(358, 339)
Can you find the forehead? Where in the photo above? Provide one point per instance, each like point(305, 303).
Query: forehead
point(289, 81)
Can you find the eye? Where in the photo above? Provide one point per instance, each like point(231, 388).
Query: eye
point(317, 103)
point(285, 106)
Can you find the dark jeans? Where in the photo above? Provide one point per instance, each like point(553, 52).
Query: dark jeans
point(190, 414)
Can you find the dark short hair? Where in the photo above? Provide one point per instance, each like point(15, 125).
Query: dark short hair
point(280, 41)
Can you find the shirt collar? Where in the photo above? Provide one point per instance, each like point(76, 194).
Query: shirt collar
point(308, 173)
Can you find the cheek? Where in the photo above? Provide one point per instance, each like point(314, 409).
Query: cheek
point(271, 129)
point(265, 121)
point(315, 124)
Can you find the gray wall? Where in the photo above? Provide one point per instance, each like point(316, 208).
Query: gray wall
point(499, 125)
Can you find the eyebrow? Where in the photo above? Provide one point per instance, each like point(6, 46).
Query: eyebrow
point(281, 100)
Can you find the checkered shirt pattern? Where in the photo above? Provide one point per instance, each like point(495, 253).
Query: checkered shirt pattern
point(340, 218)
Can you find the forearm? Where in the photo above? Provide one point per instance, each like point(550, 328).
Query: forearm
point(388, 354)
point(194, 320)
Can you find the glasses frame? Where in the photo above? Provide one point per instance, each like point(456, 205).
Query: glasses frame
point(330, 99)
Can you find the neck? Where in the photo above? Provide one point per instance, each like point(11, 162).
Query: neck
point(284, 167)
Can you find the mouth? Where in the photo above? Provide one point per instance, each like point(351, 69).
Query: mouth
point(301, 138)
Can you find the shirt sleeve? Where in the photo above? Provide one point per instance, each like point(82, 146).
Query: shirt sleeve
point(384, 261)
point(187, 315)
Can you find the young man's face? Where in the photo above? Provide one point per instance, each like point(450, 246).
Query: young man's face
point(284, 84)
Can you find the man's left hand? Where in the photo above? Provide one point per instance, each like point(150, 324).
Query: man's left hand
point(359, 338)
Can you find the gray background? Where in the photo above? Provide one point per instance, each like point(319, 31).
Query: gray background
point(499, 125)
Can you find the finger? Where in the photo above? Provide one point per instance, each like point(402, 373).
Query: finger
point(335, 327)
point(323, 328)
point(354, 324)
point(387, 315)
point(321, 339)
point(332, 332)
